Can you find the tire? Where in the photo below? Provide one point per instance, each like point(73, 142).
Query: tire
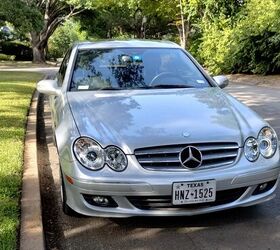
point(65, 208)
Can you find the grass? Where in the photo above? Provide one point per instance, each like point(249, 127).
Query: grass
point(16, 90)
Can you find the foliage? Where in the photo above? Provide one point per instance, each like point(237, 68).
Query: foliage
point(4, 57)
point(40, 18)
point(16, 91)
point(257, 47)
point(121, 18)
point(17, 49)
point(215, 46)
point(246, 42)
point(64, 37)
point(24, 17)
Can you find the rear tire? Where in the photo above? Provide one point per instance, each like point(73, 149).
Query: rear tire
point(65, 208)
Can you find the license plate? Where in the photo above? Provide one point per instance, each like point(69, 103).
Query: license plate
point(193, 192)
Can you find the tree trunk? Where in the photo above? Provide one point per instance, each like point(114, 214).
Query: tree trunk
point(38, 55)
point(183, 33)
point(37, 48)
point(187, 34)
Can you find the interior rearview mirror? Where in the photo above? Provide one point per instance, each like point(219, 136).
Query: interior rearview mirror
point(48, 87)
point(221, 80)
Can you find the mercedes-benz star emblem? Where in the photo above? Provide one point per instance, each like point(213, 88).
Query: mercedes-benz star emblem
point(190, 157)
point(186, 134)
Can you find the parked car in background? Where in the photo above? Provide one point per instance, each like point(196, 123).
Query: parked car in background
point(142, 130)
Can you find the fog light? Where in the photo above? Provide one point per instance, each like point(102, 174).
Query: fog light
point(101, 201)
point(262, 186)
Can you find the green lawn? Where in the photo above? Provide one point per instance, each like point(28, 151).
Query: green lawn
point(16, 90)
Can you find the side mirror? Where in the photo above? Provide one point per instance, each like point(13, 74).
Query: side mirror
point(222, 81)
point(48, 87)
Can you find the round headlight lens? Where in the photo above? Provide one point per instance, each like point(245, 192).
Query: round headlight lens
point(115, 158)
point(89, 153)
point(251, 149)
point(267, 142)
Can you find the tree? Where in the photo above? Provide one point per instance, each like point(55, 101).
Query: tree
point(40, 18)
point(54, 13)
point(122, 18)
point(23, 17)
point(182, 14)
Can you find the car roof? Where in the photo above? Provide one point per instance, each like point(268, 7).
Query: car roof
point(127, 44)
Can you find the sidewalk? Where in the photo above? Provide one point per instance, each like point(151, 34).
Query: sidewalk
point(43, 70)
point(272, 81)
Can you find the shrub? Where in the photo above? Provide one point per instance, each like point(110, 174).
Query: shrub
point(215, 46)
point(19, 50)
point(259, 54)
point(4, 57)
point(248, 44)
point(63, 38)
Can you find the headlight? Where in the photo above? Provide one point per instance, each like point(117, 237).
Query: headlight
point(115, 158)
point(251, 149)
point(92, 156)
point(267, 140)
point(89, 153)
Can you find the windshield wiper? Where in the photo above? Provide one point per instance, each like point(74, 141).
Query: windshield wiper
point(109, 88)
point(159, 86)
point(170, 86)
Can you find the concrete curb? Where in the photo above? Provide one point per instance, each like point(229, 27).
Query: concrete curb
point(31, 231)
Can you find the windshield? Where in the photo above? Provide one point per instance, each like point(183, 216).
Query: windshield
point(135, 68)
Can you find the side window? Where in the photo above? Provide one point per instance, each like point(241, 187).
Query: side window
point(62, 69)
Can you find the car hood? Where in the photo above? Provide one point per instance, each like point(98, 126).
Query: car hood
point(134, 119)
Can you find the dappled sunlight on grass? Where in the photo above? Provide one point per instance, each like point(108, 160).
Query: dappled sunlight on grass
point(16, 89)
point(24, 78)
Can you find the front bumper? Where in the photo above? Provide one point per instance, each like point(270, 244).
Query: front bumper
point(149, 183)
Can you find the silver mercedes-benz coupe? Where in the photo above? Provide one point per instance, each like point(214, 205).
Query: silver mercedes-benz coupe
point(142, 130)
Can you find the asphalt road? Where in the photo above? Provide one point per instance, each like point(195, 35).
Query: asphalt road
point(245, 228)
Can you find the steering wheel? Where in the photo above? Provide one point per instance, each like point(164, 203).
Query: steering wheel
point(165, 75)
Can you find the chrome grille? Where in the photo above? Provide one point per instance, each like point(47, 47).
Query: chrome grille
point(166, 158)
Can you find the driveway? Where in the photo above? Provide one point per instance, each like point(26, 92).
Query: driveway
point(245, 228)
